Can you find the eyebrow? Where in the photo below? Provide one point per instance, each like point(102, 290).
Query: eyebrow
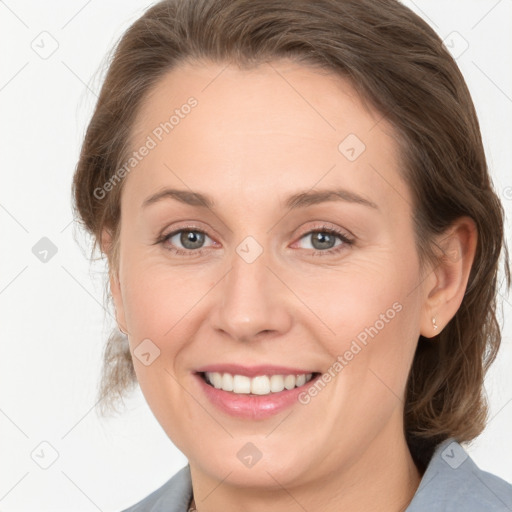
point(299, 200)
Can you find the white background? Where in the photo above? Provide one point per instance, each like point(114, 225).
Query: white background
point(53, 323)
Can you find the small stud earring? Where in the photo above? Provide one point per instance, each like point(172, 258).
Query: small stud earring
point(434, 323)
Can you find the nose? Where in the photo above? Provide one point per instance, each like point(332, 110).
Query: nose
point(253, 301)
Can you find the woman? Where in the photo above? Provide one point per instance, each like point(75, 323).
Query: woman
point(303, 245)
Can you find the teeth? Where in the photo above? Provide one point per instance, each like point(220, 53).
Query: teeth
point(227, 382)
point(260, 385)
point(241, 384)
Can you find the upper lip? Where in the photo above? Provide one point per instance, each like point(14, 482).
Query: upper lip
point(253, 371)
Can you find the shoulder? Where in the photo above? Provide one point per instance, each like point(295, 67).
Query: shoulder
point(453, 482)
point(173, 496)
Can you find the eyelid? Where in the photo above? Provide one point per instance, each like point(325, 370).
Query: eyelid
point(328, 226)
point(164, 233)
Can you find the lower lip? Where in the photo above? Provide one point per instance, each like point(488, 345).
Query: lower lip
point(254, 407)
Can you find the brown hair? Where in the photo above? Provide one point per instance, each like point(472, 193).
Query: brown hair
point(399, 65)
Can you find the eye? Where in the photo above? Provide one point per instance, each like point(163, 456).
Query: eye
point(190, 240)
point(323, 240)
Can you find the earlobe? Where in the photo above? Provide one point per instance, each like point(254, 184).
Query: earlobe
point(444, 292)
point(106, 241)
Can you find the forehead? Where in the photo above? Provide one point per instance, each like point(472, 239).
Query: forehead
point(276, 125)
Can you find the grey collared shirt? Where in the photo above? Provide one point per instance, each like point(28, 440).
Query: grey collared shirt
point(452, 482)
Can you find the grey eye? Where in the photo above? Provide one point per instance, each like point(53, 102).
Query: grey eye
point(321, 240)
point(188, 239)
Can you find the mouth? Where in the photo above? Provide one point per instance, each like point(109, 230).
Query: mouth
point(254, 392)
point(265, 384)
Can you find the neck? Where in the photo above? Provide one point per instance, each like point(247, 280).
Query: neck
point(384, 479)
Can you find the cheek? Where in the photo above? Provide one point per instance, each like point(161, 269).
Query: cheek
point(165, 309)
point(373, 312)
point(158, 296)
point(366, 291)
point(162, 321)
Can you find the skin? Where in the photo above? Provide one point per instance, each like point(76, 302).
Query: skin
point(256, 137)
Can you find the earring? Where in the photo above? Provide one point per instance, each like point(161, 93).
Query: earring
point(434, 323)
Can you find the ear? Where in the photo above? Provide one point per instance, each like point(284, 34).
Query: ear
point(446, 284)
point(115, 284)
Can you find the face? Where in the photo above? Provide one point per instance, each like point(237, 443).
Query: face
point(273, 276)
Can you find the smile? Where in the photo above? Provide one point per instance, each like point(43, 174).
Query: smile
point(253, 393)
point(258, 385)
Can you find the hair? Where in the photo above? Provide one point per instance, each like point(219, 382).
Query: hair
point(399, 65)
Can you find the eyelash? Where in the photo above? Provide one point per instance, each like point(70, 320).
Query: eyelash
point(347, 242)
